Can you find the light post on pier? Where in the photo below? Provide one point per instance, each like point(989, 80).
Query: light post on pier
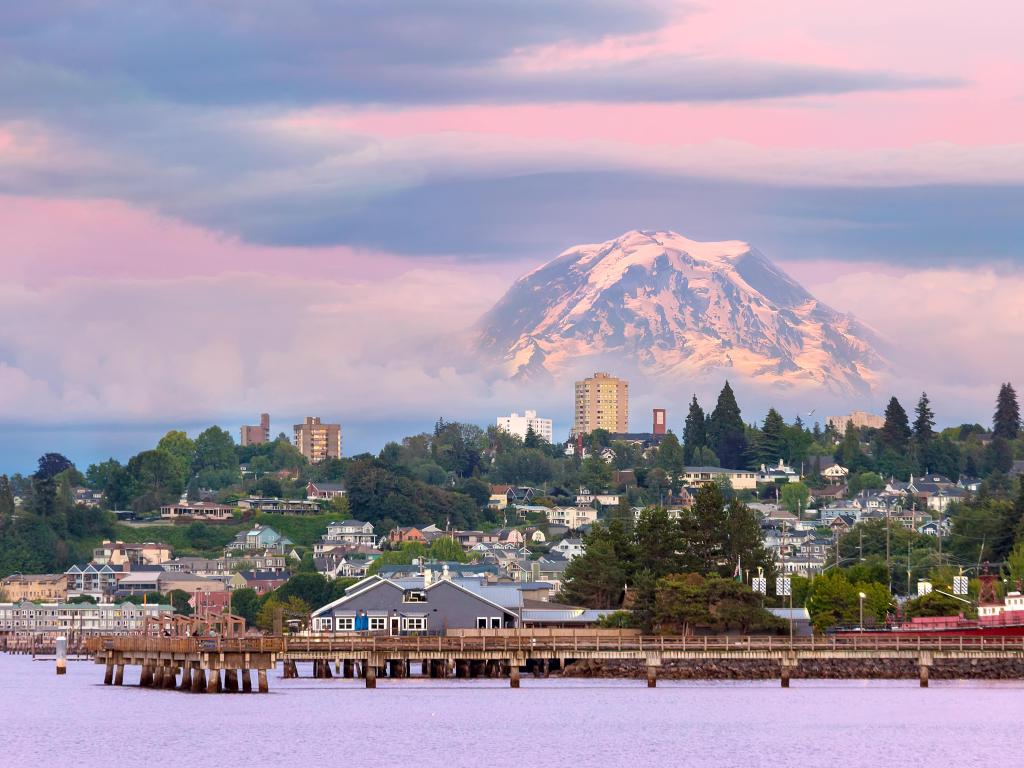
point(861, 595)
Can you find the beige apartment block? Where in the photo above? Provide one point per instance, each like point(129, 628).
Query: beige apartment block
point(602, 402)
point(317, 441)
point(35, 587)
point(859, 418)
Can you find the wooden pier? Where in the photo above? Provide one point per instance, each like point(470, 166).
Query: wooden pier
point(216, 665)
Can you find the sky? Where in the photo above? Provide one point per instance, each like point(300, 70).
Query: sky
point(213, 208)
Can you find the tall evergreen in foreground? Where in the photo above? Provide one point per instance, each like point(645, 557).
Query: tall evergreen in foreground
point(924, 422)
point(727, 435)
point(895, 433)
point(1006, 422)
point(694, 431)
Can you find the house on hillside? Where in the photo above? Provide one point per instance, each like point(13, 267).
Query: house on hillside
point(404, 534)
point(569, 548)
point(572, 518)
point(355, 532)
point(202, 510)
point(259, 537)
point(325, 491)
point(836, 474)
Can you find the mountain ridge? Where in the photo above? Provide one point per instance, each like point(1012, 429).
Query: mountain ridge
point(676, 306)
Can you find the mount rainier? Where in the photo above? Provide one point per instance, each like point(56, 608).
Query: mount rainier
point(679, 308)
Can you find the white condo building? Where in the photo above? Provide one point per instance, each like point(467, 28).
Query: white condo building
point(517, 425)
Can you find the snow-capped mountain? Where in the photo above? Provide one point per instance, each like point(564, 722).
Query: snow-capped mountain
point(676, 307)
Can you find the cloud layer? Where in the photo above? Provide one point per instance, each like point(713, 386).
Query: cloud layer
point(208, 209)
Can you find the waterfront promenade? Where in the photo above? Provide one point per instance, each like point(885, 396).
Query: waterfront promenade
point(201, 664)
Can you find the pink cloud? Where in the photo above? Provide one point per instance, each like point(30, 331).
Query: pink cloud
point(46, 239)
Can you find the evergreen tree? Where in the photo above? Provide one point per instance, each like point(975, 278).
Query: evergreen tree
point(771, 442)
point(694, 431)
point(659, 542)
point(925, 421)
point(705, 527)
point(6, 502)
point(727, 435)
point(848, 453)
point(531, 440)
point(670, 457)
point(895, 433)
point(1006, 422)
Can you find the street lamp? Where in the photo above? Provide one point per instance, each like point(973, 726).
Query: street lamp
point(862, 596)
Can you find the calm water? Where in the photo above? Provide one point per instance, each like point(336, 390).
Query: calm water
point(75, 720)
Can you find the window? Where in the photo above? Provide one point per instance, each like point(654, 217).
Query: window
point(378, 622)
point(414, 623)
point(344, 624)
point(414, 596)
point(481, 622)
point(495, 622)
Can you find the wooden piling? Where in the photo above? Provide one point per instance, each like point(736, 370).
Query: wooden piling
point(213, 681)
point(923, 675)
point(371, 675)
point(652, 676)
point(231, 681)
point(514, 674)
point(186, 678)
point(61, 652)
point(198, 683)
point(261, 676)
point(119, 675)
point(108, 673)
point(246, 681)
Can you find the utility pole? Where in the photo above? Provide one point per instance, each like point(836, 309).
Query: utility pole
point(888, 560)
point(908, 567)
point(860, 547)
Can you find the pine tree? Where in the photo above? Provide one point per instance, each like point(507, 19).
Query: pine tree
point(848, 453)
point(925, 421)
point(6, 502)
point(727, 435)
point(1006, 422)
point(895, 433)
point(771, 443)
point(694, 431)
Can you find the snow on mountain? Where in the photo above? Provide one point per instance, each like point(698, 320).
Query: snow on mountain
point(677, 307)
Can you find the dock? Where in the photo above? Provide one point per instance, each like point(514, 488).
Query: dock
point(215, 665)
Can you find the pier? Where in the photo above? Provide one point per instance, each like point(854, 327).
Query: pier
point(216, 665)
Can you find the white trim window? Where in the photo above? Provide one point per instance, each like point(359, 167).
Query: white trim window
point(414, 623)
point(345, 623)
point(324, 623)
point(495, 622)
point(481, 622)
point(378, 623)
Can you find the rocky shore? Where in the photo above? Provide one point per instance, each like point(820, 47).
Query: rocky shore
point(835, 669)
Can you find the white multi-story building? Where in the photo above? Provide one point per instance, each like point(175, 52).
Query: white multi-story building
point(85, 618)
point(517, 425)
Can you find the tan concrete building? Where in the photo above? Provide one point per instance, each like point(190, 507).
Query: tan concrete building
point(859, 419)
point(119, 553)
point(317, 441)
point(602, 402)
point(35, 587)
